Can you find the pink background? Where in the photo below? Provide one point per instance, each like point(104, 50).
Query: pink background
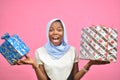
point(28, 19)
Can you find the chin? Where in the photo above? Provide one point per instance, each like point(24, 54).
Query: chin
point(56, 44)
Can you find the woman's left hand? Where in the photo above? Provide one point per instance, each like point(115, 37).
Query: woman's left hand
point(98, 62)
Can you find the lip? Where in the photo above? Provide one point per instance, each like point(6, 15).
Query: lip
point(55, 40)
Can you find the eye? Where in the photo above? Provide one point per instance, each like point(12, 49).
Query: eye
point(60, 29)
point(51, 30)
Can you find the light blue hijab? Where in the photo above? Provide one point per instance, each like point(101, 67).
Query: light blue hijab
point(56, 51)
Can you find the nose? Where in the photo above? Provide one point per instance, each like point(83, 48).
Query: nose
point(55, 31)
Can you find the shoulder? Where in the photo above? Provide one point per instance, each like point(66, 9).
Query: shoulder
point(75, 54)
point(73, 48)
point(40, 50)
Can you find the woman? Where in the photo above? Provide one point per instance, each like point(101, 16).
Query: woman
point(57, 60)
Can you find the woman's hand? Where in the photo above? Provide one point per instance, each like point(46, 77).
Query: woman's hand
point(98, 62)
point(27, 60)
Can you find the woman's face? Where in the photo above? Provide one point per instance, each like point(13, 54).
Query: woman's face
point(56, 33)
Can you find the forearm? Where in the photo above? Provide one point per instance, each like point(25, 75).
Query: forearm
point(39, 73)
point(82, 72)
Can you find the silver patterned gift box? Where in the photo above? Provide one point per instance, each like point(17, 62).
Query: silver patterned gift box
point(13, 48)
point(99, 43)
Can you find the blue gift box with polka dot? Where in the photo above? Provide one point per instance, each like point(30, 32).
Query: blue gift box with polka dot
point(13, 48)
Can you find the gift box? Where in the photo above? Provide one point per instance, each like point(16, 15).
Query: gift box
point(99, 43)
point(13, 48)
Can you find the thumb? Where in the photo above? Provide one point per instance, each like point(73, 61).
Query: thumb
point(19, 62)
point(26, 56)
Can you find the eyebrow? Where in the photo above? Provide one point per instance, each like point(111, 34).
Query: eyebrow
point(57, 27)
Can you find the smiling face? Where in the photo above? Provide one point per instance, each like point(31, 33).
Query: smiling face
point(56, 33)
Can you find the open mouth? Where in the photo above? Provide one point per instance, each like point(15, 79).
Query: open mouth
point(55, 39)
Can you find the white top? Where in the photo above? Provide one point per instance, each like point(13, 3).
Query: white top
point(57, 69)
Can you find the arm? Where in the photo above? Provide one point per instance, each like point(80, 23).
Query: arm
point(79, 74)
point(39, 69)
point(40, 72)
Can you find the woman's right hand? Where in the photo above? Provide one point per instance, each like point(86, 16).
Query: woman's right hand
point(27, 60)
point(30, 61)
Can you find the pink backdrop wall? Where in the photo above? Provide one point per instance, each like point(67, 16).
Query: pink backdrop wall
point(28, 18)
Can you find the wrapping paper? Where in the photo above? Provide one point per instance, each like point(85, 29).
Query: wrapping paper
point(99, 43)
point(13, 48)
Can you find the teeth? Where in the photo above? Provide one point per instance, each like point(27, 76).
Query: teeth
point(55, 38)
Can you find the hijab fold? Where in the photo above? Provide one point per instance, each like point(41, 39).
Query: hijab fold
point(56, 51)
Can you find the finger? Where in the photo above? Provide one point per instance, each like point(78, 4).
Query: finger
point(99, 62)
point(23, 61)
point(27, 56)
point(105, 62)
point(102, 62)
point(18, 62)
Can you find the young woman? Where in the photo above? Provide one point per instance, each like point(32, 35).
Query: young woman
point(57, 60)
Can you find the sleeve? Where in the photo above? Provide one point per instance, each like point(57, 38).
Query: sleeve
point(76, 56)
point(37, 58)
